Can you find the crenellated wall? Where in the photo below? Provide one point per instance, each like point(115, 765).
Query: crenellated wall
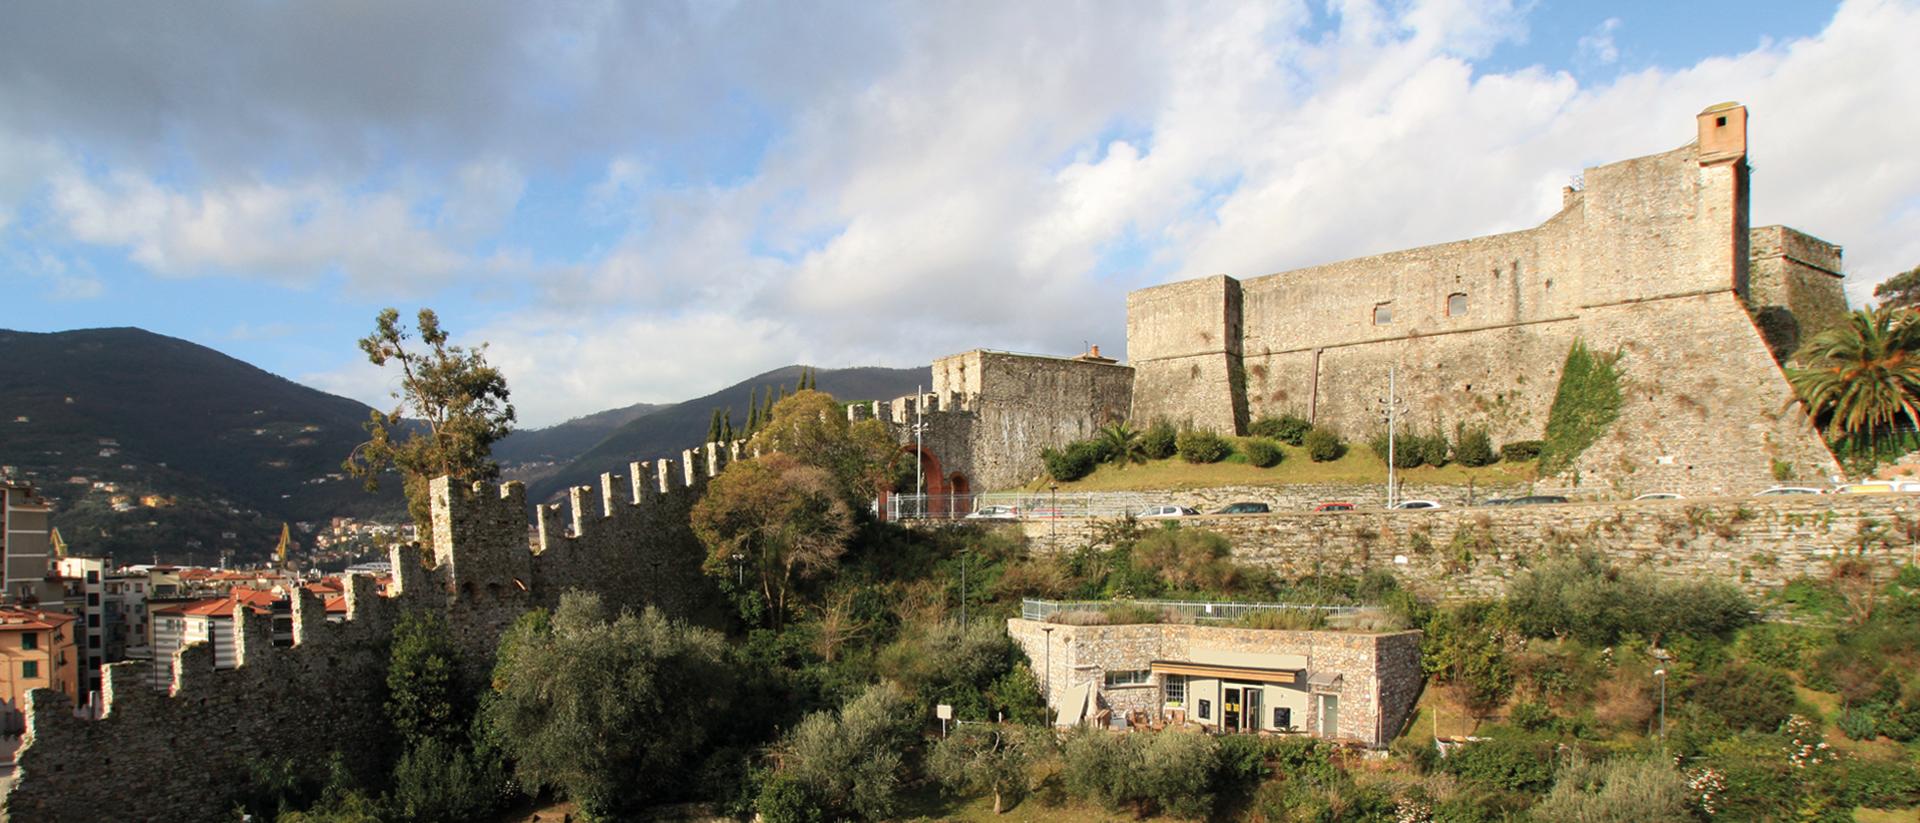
point(182, 755)
point(991, 413)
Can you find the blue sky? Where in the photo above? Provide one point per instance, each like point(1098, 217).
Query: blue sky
point(645, 202)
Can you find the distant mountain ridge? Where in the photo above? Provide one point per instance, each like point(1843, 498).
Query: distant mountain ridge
point(134, 413)
point(666, 432)
point(565, 441)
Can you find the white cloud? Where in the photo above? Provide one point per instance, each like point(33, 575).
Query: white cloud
point(288, 233)
point(1598, 46)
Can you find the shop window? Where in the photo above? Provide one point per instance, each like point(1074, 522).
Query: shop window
point(1176, 688)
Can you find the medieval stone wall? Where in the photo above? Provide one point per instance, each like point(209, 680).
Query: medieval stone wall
point(991, 413)
point(1758, 544)
point(1797, 287)
point(1650, 258)
point(182, 756)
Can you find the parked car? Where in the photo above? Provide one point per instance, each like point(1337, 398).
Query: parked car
point(995, 513)
point(1166, 511)
point(1777, 491)
point(1417, 504)
point(1659, 496)
point(1334, 506)
point(1878, 487)
point(1536, 500)
point(1497, 501)
point(1244, 508)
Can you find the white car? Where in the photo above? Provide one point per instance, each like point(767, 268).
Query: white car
point(995, 513)
point(1157, 512)
point(1878, 487)
point(1417, 504)
point(1777, 491)
point(1663, 496)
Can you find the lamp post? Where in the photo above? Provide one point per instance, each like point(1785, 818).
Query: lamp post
point(1661, 674)
point(1046, 688)
point(739, 570)
point(1392, 404)
point(1053, 516)
point(963, 588)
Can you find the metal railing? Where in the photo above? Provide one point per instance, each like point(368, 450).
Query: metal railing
point(1039, 505)
point(1031, 609)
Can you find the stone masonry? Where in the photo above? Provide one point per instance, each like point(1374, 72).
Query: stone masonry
point(1652, 258)
point(1758, 544)
point(1380, 677)
point(182, 755)
point(991, 413)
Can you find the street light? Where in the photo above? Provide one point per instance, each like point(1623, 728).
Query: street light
point(963, 587)
point(739, 570)
point(1392, 404)
point(1046, 689)
point(1661, 673)
point(1053, 515)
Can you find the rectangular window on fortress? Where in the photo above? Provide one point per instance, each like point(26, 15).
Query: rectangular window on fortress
point(1456, 305)
point(1382, 314)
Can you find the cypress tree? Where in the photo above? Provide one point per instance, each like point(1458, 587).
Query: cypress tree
point(801, 384)
point(726, 426)
point(753, 410)
point(713, 428)
point(766, 411)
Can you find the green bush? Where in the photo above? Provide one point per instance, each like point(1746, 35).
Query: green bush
point(1173, 772)
point(1585, 598)
point(1531, 716)
point(439, 781)
point(1159, 440)
point(1747, 698)
point(1290, 429)
point(1407, 451)
point(1201, 446)
point(1435, 451)
point(784, 799)
point(1324, 445)
point(1623, 789)
point(1503, 763)
point(1262, 452)
point(852, 761)
point(1077, 460)
point(1586, 403)
point(1880, 784)
point(1473, 447)
point(1858, 723)
point(1520, 451)
point(1780, 645)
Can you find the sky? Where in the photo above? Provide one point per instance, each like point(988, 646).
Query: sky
point(645, 202)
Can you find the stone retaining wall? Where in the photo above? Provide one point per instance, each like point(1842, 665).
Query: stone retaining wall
point(1759, 544)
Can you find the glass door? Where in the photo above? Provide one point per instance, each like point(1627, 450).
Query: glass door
point(1329, 715)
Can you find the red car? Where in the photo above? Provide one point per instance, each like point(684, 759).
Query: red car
point(1334, 506)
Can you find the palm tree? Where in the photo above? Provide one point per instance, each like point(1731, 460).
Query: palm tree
point(1122, 444)
point(1863, 377)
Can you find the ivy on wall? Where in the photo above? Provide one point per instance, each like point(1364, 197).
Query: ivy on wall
point(1586, 403)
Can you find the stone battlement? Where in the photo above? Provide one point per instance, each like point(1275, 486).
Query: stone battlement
point(629, 540)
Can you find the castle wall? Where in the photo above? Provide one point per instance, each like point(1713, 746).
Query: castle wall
point(991, 413)
point(1798, 288)
point(1650, 257)
point(181, 756)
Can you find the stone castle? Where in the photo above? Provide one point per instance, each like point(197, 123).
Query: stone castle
point(181, 755)
point(1652, 258)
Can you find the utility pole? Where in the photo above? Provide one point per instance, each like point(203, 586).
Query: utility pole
point(1392, 402)
point(1046, 688)
point(919, 452)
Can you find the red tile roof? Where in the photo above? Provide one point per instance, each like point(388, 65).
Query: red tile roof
point(13, 619)
point(258, 602)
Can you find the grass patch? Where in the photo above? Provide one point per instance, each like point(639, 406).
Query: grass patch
point(1357, 466)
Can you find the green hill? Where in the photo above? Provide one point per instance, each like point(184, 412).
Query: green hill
point(235, 448)
point(665, 432)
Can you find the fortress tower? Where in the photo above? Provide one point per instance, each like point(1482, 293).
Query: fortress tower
point(1652, 257)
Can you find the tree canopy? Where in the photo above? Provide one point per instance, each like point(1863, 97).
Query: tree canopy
point(611, 711)
point(1901, 291)
point(452, 407)
point(1863, 376)
point(784, 519)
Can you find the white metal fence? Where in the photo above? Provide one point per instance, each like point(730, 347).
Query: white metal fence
point(1040, 505)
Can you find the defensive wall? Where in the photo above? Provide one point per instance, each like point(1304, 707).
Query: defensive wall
point(183, 755)
point(1651, 257)
point(1759, 544)
point(991, 413)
